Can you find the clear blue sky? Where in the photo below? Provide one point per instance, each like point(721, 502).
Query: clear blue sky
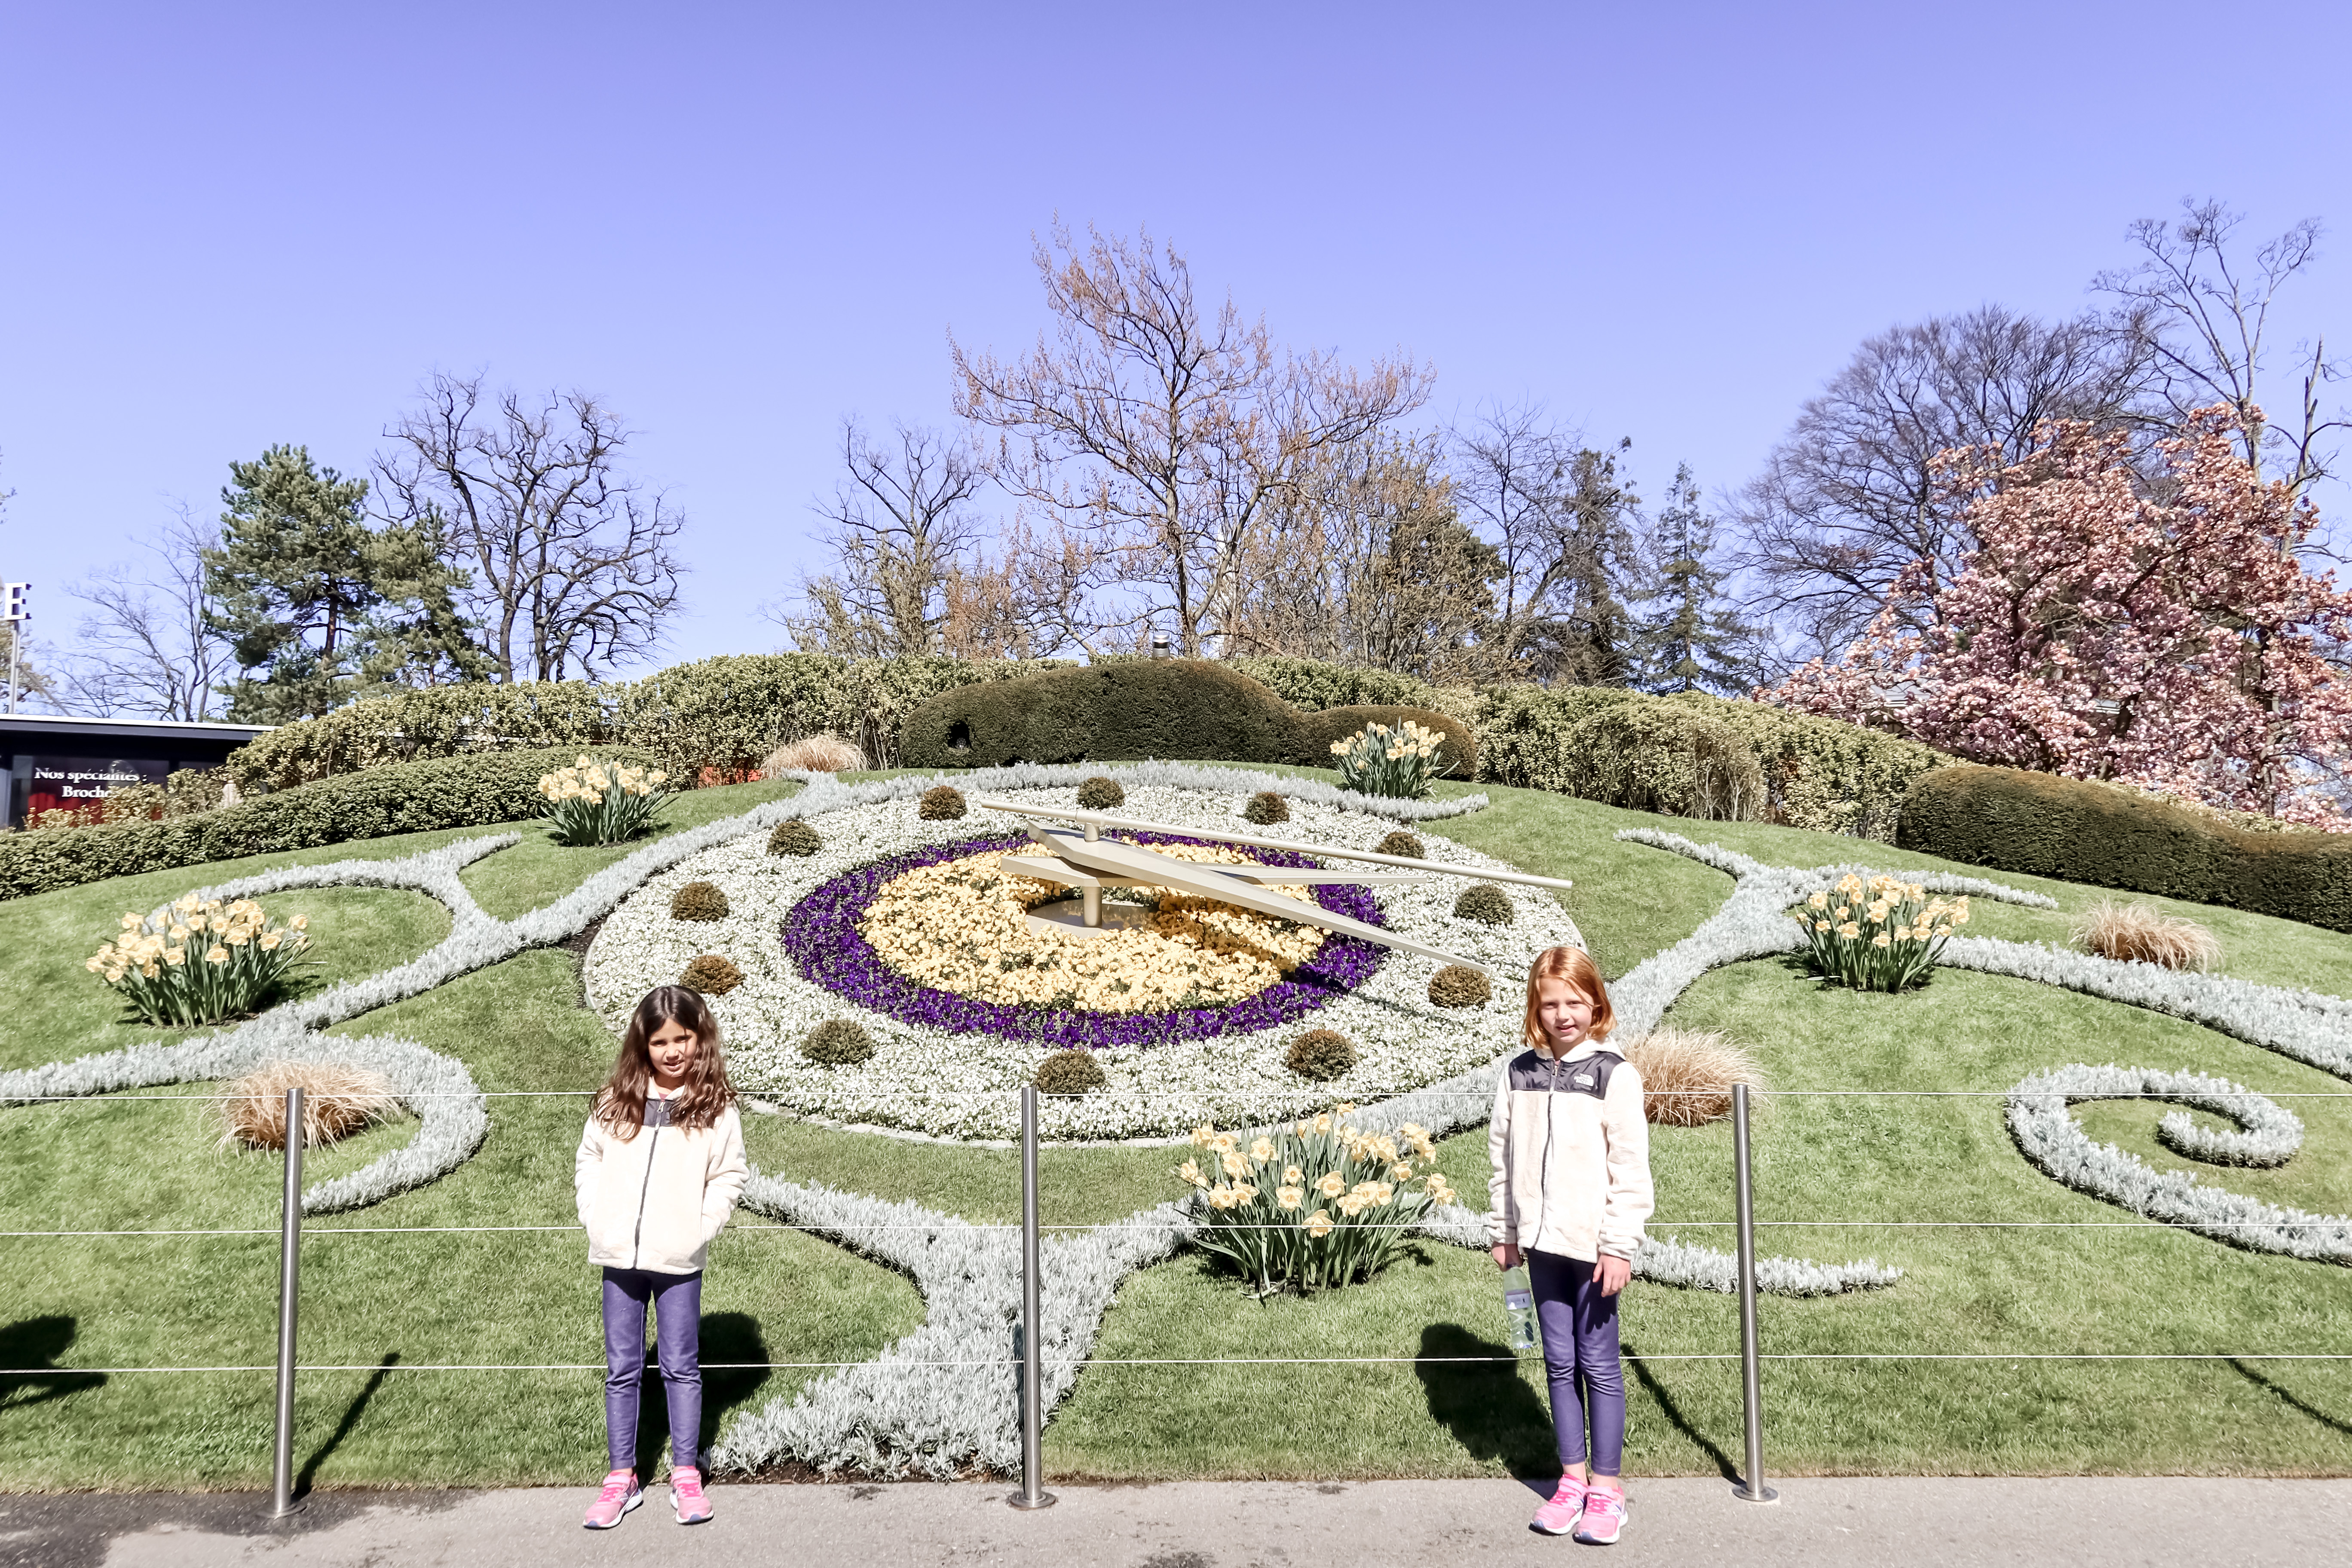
point(227, 225)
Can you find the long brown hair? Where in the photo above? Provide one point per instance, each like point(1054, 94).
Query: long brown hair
point(1574, 965)
point(620, 1103)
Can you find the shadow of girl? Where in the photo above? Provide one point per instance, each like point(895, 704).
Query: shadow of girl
point(28, 1347)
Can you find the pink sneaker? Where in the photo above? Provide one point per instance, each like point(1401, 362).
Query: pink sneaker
point(1604, 1518)
point(686, 1498)
point(1557, 1517)
point(620, 1494)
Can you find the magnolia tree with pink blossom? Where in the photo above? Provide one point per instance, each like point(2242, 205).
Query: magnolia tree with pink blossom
point(2159, 634)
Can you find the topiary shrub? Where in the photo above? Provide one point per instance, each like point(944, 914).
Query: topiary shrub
point(1457, 751)
point(838, 1042)
point(711, 974)
point(1459, 985)
point(1125, 711)
point(1486, 903)
point(1069, 1072)
point(794, 837)
point(1266, 808)
point(1405, 844)
point(1101, 794)
point(941, 803)
point(1666, 758)
point(1320, 1055)
point(699, 902)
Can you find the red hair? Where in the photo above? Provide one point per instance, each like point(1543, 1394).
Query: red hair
point(1575, 967)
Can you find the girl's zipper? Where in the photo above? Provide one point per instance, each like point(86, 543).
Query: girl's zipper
point(637, 1239)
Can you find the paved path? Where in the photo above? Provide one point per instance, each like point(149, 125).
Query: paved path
point(1831, 1523)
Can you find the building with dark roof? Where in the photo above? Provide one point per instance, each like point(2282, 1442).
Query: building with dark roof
point(48, 763)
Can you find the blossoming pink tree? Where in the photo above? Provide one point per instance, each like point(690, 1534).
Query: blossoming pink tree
point(2159, 634)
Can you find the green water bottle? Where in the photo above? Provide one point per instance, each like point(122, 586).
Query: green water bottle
point(1519, 1306)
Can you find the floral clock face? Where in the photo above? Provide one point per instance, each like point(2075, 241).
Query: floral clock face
point(913, 930)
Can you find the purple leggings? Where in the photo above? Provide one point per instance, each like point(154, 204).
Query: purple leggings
point(676, 1301)
point(1579, 1342)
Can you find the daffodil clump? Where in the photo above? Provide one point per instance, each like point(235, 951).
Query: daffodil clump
point(1880, 935)
point(599, 803)
point(201, 962)
point(1398, 762)
point(1314, 1205)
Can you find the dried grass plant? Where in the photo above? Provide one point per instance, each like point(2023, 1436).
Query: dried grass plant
point(2136, 930)
point(338, 1100)
point(825, 753)
point(1686, 1076)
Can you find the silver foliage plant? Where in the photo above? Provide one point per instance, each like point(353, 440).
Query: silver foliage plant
point(1662, 1260)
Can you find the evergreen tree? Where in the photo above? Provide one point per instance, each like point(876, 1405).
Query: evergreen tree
point(1689, 637)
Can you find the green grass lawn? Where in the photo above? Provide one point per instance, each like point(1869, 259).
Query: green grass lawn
point(393, 1302)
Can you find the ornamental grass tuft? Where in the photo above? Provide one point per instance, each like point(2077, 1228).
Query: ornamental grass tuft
point(838, 1042)
point(202, 961)
point(1459, 985)
point(338, 1099)
point(1313, 1205)
point(1881, 935)
point(941, 803)
point(1687, 1076)
point(1320, 1055)
point(794, 837)
point(589, 804)
point(1486, 904)
point(825, 753)
point(699, 902)
point(1402, 843)
point(1266, 808)
point(2136, 932)
point(1101, 793)
point(712, 975)
point(1397, 762)
point(1069, 1072)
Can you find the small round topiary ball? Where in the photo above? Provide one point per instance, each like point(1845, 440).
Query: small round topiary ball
point(1459, 985)
point(699, 902)
point(1320, 1055)
point(941, 803)
point(1266, 808)
point(1101, 794)
point(838, 1042)
point(711, 974)
point(1405, 844)
point(794, 837)
point(1069, 1072)
point(1486, 903)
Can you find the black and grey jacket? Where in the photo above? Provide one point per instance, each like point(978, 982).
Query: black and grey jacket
point(1571, 1154)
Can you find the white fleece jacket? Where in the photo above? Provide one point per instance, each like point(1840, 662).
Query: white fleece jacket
point(1571, 1166)
point(655, 1201)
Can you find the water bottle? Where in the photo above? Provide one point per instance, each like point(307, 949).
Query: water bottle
point(1519, 1306)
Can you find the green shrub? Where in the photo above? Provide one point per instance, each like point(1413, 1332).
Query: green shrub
point(941, 803)
point(1402, 843)
point(1110, 712)
point(793, 838)
point(1101, 794)
point(1266, 808)
point(1320, 1056)
point(699, 902)
point(838, 1042)
point(1310, 685)
point(1459, 985)
point(711, 974)
point(2043, 825)
point(1457, 750)
point(1666, 758)
point(1486, 904)
point(1069, 1072)
point(409, 797)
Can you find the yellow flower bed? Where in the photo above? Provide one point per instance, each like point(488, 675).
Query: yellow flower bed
point(962, 926)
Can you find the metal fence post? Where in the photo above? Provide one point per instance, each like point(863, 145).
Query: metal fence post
point(289, 1263)
point(1752, 1488)
point(1031, 1339)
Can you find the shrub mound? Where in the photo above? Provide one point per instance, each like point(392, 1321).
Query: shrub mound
point(2043, 826)
point(699, 902)
point(941, 803)
point(1457, 751)
point(1266, 808)
point(1667, 758)
point(1687, 1076)
point(1459, 985)
point(794, 837)
point(1405, 844)
point(838, 1042)
point(1486, 903)
point(712, 975)
point(410, 797)
point(1069, 1072)
point(1101, 794)
point(338, 1100)
point(1320, 1055)
point(2135, 933)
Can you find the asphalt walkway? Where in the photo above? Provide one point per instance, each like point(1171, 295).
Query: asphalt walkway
point(1821, 1523)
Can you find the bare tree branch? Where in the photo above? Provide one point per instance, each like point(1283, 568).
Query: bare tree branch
point(146, 645)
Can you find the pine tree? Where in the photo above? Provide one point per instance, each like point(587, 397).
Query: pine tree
point(1690, 638)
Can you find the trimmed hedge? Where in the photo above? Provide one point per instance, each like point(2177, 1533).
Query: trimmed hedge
point(1457, 757)
point(409, 797)
point(1664, 757)
point(2077, 831)
point(1126, 712)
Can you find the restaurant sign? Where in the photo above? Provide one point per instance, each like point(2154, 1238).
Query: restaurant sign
point(80, 783)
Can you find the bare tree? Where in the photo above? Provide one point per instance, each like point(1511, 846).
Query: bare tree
point(148, 644)
point(2200, 317)
point(1157, 441)
point(1849, 498)
point(571, 562)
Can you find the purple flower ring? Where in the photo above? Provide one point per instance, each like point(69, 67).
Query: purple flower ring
point(821, 935)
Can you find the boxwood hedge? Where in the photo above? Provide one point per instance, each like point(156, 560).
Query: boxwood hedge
point(1124, 711)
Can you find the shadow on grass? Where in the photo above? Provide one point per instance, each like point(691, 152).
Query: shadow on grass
point(1680, 1422)
point(30, 1345)
point(725, 1337)
point(2333, 1423)
point(351, 1415)
point(1491, 1413)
